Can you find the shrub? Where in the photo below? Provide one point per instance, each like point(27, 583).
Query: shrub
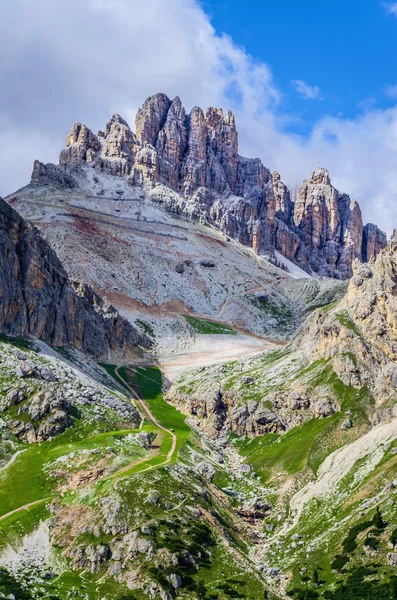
point(378, 519)
point(393, 537)
point(339, 562)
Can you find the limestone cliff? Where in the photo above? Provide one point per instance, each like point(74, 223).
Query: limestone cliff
point(359, 336)
point(196, 155)
point(37, 297)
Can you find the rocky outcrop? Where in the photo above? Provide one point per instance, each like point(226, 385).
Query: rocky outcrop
point(331, 227)
point(374, 240)
point(221, 411)
point(118, 147)
point(284, 206)
point(37, 297)
point(196, 155)
point(50, 174)
point(151, 118)
point(82, 146)
point(48, 417)
point(359, 336)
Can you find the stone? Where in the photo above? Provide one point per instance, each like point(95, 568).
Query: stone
point(50, 174)
point(118, 147)
point(197, 156)
point(24, 431)
point(46, 374)
point(39, 299)
point(392, 559)
point(90, 557)
point(331, 226)
point(209, 264)
point(284, 206)
point(346, 424)
point(14, 397)
point(244, 468)
point(323, 408)
point(26, 369)
point(206, 469)
point(374, 240)
point(45, 402)
point(151, 118)
point(82, 146)
point(175, 580)
point(388, 488)
point(146, 439)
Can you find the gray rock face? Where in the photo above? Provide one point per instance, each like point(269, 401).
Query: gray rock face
point(374, 240)
point(81, 146)
point(392, 559)
point(14, 397)
point(47, 411)
point(206, 469)
point(52, 175)
point(89, 558)
point(118, 147)
point(197, 156)
point(331, 226)
point(39, 299)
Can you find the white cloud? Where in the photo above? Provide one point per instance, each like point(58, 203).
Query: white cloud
point(391, 8)
point(68, 61)
point(391, 91)
point(310, 92)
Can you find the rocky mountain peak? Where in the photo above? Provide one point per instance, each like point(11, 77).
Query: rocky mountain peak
point(373, 241)
point(331, 225)
point(196, 155)
point(82, 146)
point(320, 176)
point(116, 124)
point(151, 118)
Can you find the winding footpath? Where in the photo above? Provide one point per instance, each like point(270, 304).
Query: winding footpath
point(24, 507)
point(145, 411)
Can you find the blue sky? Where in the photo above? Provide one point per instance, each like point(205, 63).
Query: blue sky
point(346, 48)
point(312, 84)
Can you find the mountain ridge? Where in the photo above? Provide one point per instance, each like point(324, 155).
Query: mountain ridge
point(196, 155)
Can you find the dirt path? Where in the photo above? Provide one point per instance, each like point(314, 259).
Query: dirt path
point(216, 349)
point(146, 410)
point(24, 507)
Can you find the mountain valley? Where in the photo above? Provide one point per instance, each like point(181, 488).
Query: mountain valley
point(198, 375)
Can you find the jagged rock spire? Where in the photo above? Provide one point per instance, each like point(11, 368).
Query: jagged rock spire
point(197, 156)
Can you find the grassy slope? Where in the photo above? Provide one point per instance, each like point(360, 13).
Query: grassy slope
point(209, 327)
point(27, 479)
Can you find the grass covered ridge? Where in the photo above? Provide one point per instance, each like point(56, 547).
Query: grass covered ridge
point(202, 326)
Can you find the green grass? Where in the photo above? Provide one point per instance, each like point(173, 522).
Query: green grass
point(150, 384)
point(344, 320)
point(18, 342)
point(22, 523)
point(25, 480)
point(203, 326)
point(290, 452)
point(307, 445)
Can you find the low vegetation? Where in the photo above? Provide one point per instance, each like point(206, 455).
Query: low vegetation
point(203, 326)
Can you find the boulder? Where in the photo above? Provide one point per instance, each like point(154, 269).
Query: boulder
point(14, 397)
